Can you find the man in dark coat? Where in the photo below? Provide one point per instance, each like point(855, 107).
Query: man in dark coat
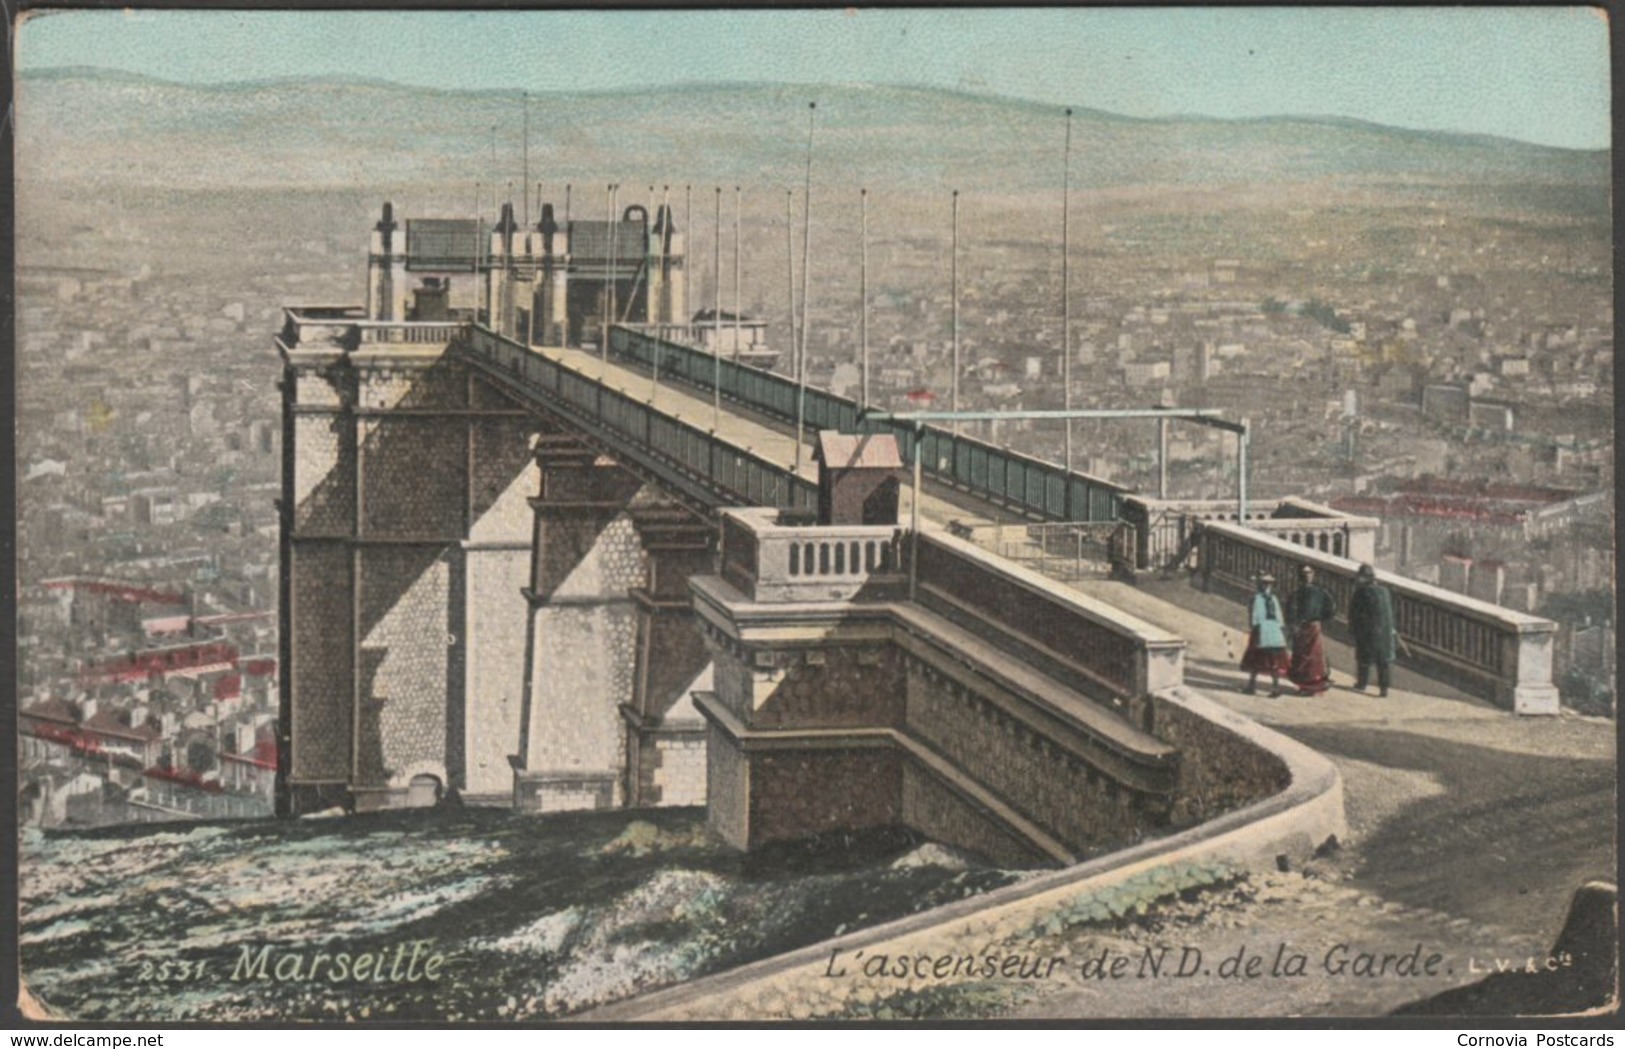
point(1371, 621)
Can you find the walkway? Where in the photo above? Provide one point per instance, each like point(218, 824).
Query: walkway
point(1453, 804)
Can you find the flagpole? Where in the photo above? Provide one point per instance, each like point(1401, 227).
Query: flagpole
point(1066, 288)
point(738, 304)
point(955, 298)
point(806, 287)
point(863, 299)
point(716, 315)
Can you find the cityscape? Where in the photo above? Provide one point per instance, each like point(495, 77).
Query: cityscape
point(1414, 327)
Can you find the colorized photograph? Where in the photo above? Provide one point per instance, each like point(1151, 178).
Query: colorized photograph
point(802, 516)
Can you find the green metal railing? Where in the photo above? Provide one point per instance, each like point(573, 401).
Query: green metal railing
point(1009, 478)
point(693, 460)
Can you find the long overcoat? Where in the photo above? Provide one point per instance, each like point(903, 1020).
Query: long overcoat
point(1371, 621)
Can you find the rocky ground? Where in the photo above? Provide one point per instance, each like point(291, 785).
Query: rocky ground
point(531, 917)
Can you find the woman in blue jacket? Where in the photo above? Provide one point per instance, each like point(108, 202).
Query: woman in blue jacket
point(1266, 641)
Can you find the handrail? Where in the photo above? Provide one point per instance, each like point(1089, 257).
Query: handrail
point(1023, 482)
point(698, 462)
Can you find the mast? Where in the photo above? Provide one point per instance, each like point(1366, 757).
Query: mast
point(790, 260)
point(716, 315)
point(863, 300)
point(806, 273)
point(738, 305)
point(955, 303)
point(607, 304)
point(526, 180)
point(1066, 288)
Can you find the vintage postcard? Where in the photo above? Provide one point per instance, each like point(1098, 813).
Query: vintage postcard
point(814, 515)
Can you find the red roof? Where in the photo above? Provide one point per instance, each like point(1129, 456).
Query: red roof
point(118, 590)
point(921, 396)
point(181, 659)
point(108, 723)
point(54, 709)
point(222, 618)
point(262, 756)
point(186, 778)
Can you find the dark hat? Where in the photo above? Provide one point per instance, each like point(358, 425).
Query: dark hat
point(1367, 572)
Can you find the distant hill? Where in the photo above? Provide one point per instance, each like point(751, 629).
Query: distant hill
point(89, 125)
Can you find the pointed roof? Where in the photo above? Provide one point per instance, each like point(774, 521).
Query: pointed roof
point(858, 451)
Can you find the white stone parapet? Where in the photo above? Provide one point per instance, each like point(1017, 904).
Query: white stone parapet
point(1506, 654)
point(774, 563)
point(343, 328)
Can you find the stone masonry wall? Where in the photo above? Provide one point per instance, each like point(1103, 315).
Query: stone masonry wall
point(496, 617)
point(579, 677)
point(322, 488)
point(505, 476)
point(727, 783)
point(837, 687)
point(414, 477)
point(672, 770)
point(934, 810)
point(1218, 770)
point(1046, 783)
point(404, 646)
point(798, 793)
point(320, 676)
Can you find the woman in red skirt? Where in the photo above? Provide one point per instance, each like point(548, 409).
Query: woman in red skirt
point(1310, 606)
point(1266, 640)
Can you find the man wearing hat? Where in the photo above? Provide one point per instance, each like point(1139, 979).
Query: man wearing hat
point(1266, 641)
point(1371, 621)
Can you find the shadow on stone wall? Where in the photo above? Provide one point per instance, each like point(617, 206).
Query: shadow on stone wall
point(425, 480)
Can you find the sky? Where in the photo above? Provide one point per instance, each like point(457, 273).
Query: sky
point(1539, 74)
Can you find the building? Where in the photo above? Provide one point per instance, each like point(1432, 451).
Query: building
point(555, 284)
point(730, 333)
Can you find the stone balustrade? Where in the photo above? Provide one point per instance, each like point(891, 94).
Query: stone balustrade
point(773, 563)
point(410, 332)
point(1501, 654)
point(347, 328)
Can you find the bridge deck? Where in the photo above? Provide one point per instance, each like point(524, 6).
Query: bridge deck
point(752, 432)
